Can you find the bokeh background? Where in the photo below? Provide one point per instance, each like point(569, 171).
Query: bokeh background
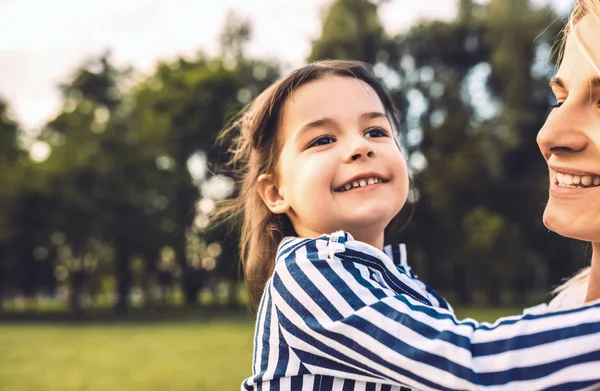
point(111, 276)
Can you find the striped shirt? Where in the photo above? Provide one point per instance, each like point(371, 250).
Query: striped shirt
point(339, 314)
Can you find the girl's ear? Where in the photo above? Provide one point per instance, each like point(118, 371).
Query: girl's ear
point(271, 195)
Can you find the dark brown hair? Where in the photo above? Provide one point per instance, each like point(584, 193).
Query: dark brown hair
point(256, 150)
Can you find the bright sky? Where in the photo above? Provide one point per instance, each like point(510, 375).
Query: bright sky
point(43, 42)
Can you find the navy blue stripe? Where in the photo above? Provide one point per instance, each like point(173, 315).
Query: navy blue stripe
point(423, 329)
point(370, 387)
point(247, 386)
point(535, 371)
point(314, 293)
point(293, 248)
point(275, 385)
point(443, 302)
point(297, 382)
point(338, 283)
point(386, 387)
point(534, 339)
point(579, 385)
point(317, 383)
point(258, 322)
point(266, 348)
point(326, 383)
point(407, 350)
point(342, 339)
point(323, 362)
point(348, 385)
point(532, 317)
point(395, 283)
point(284, 355)
point(355, 272)
point(396, 255)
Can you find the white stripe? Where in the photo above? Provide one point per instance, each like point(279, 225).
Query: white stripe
point(273, 356)
point(303, 345)
point(530, 326)
point(360, 386)
point(293, 364)
point(393, 273)
point(308, 382)
point(319, 280)
point(403, 257)
point(412, 338)
point(285, 383)
point(580, 372)
point(338, 384)
point(538, 355)
point(361, 338)
point(260, 331)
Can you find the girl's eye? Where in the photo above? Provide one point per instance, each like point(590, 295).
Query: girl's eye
point(376, 132)
point(323, 140)
point(557, 105)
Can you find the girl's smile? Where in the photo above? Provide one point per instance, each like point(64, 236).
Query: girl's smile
point(362, 182)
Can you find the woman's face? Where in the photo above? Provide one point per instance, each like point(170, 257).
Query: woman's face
point(570, 139)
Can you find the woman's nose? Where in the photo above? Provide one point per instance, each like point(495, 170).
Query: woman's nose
point(563, 133)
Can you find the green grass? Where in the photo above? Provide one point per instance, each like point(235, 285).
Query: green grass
point(208, 355)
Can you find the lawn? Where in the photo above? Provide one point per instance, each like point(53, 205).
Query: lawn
point(202, 355)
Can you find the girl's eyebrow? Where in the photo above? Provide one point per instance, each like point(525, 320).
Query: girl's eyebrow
point(560, 83)
point(326, 121)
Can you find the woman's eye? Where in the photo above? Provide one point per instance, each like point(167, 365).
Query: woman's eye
point(376, 132)
point(557, 105)
point(323, 140)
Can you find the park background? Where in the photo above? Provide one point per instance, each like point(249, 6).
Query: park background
point(111, 275)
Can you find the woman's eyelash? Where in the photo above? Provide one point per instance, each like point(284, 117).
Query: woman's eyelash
point(557, 105)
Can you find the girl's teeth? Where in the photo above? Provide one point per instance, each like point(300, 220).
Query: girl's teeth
point(576, 179)
point(596, 181)
point(360, 183)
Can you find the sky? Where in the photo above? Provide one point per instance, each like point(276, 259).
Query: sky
point(43, 42)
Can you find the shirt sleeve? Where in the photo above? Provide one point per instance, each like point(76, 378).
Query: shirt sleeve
point(345, 316)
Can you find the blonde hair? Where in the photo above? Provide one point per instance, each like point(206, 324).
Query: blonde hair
point(582, 8)
point(255, 151)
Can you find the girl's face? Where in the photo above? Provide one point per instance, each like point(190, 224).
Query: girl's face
point(340, 167)
point(570, 140)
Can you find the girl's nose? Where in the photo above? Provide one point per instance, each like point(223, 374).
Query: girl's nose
point(360, 149)
point(563, 133)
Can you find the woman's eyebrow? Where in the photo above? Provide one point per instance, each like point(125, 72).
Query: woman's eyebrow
point(557, 82)
point(560, 83)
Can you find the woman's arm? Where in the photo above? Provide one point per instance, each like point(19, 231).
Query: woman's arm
point(346, 317)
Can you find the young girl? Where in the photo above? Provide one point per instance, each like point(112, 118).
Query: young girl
point(323, 177)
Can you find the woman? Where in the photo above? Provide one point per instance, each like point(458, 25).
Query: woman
point(570, 144)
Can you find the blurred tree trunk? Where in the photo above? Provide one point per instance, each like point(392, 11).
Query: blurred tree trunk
point(123, 252)
point(2, 274)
